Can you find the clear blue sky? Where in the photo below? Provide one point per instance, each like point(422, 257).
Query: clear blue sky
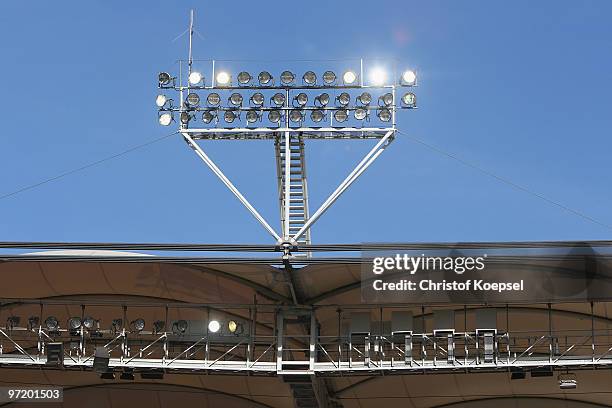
point(522, 89)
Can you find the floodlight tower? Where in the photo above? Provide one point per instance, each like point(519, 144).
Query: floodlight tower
point(288, 109)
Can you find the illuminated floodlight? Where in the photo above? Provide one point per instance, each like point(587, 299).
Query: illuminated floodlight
point(165, 119)
point(409, 78)
point(138, 324)
point(232, 326)
point(384, 114)
point(208, 116)
point(213, 99)
point(287, 77)
point(235, 99)
point(229, 116)
point(278, 99)
point(365, 98)
point(295, 115)
point(193, 99)
point(89, 322)
point(274, 116)
point(361, 113)
point(343, 99)
point(164, 78)
point(51, 323)
point(386, 99)
point(252, 116)
point(329, 77)
point(378, 76)
point(214, 326)
point(409, 100)
point(223, 78)
point(161, 100)
point(185, 118)
point(195, 78)
point(244, 78)
point(322, 100)
point(310, 78)
point(341, 115)
point(301, 99)
point(349, 78)
point(316, 115)
point(264, 78)
point(257, 99)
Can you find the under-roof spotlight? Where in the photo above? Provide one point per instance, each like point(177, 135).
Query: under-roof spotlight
point(161, 100)
point(567, 381)
point(295, 115)
point(213, 99)
point(185, 118)
point(235, 99)
point(223, 78)
point(33, 322)
point(378, 76)
point(341, 115)
point(343, 99)
point(301, 99)
point(265, 78)
point(195, 78)
point(12, 321)
point(89, 322)
point(116, 325)
point(278, 99)
point(322, 100)
point(386, 99)
point(349, 78)
point(409, 100)
point(165, 119)
point(287, 77)
point(257, 99)
point(229, 116)
point(274, 116)
point(409, 78)
point(361, 113)
point(232, 326)
point(329, 77)
point(74, 323)
point(365, 98)
point(316, 115)
point(164, 78)
point(51, 323)
point(138, 324)
point(214, 326)
point(384, 114)
point(310, 78)
point(159, 326)
point(244, 78)
point(180, 327)
point(252, 116)
point(193, 100)
point(208, 116)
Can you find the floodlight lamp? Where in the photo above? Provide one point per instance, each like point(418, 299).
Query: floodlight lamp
point(265, 78)
point(274, 116)
point(384, 114)
point(164, 78)
point(365, 98)
point(208, 116)
point(158, 326)
point(409, 78)
point(165, 119)
point(341, 115)
point(409, 100)
point(235, 99)
point(223, 78)
point(301, 99)
point(378, 76)
point(295, 116)
point(252, 116)
point(316, 115)
point(12, 321)
point(386, 99)
point(278, 99)
point(138, 324)
point(193, 100)
point(214, 326)
point(349, 78)
point(51, 323)
point(33, 322)
point(117, 324)
point(232, 326)
point(361, 113)
point(185, 118)
point(74, 323)
point(180, 327)
point(229, 116)
point(343, 99)
point(287, 77)
point(310, 78)
point(257, 99)
point(213, 99)
point(89, 322)
point(195, 78)
point(322, 100)
point(329, 77)
point(161, 100)
point(244, 78)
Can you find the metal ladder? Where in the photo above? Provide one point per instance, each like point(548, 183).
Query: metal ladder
point(298, 190)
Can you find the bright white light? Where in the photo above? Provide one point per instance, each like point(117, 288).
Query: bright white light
point(165, 119)
point(195, 78)
point(349, 77)
point(214, 326)
point(409, 77)
point(160, 100)
point(378, 76)
point(223, 78)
